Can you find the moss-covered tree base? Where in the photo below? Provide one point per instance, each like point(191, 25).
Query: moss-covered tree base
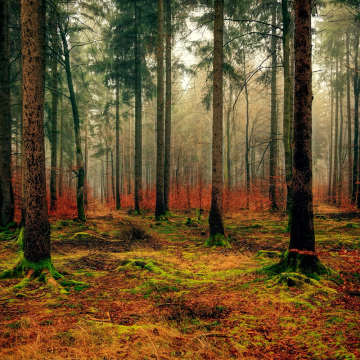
point(297, 269)
point(217, 240)
point(294, 261)
point(42, 271)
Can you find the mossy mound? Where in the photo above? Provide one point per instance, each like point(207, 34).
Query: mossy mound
point(268, 254)
point(149, 265)
point(217, 240)
point(349, 226)
point(81, 236)
point(61, 224)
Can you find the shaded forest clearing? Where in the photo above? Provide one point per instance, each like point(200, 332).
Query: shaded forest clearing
point(150, 289)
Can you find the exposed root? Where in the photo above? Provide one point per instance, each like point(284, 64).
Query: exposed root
point(42, 271)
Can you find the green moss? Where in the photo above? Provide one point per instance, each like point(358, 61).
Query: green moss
point(43, 271)
point(23, 266)
point(20, 239)
point(81, 236)
point(292, 261)
point(217, 240)
point(268, 254)
point(349, 226)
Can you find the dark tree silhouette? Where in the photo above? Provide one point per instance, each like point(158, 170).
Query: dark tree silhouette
point(6, 193)
point(215, 216)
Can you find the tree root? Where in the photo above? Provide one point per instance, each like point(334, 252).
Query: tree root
point(42, 271)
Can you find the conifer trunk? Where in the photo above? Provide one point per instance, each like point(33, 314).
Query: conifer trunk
point(215, 216)
point(286, 117)
point(54, 110)
point(6, 192)
point(228, 138)
point(167, 162)
point(61, 150)
point(247, 142)
point(302, 229)
point(79, 157)
point(86, 150)
point(36, 243)
point(356, 124)
point(331, 134)
point(273, 120)
point(138, 115)
point(348, 112)
point(335, 184)
point(117, 155)
point(160, 206)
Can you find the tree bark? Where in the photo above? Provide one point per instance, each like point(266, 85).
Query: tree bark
point(36, 243)
point(331, 133)
point(286, 117)
point(6, 191)
point(160, 206)
point(117, 155)
point(167, 159)
point(335, 181)
point(86, 150)
point(273, 120)
point(348, 112)
point(228, 138)
point(215, 216)
point(79, 157)
point(356, 123)
point(247, 142)
point(54, 109)
point(61, 150)
point(138, 115)
point(302, 229)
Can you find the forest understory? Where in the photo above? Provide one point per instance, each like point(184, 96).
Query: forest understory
point(149, 289)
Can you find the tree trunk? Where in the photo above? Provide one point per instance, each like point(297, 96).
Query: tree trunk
point(138, 115)
point(160, 206)
point(108, 189)
point(117, 155)
point(36, 242)
point(273, 120)
point(112, 175)
point(79, 157)
point(54, 108)
point(348, 112)
point(302, 229)
point(247, 143)
point(61, 150)
point(167, 161)
point(340, 157)
point(86, 156)
point(228, 138)
point(215, 216)
point(102, 180)
point(331, 133)
point(6, 192)
point(356, 123)
point(335, 181)
point(286, 117)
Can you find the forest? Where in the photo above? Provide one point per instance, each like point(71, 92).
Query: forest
point(179, 179)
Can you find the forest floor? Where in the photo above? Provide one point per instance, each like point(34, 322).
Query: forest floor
point(151, 290)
